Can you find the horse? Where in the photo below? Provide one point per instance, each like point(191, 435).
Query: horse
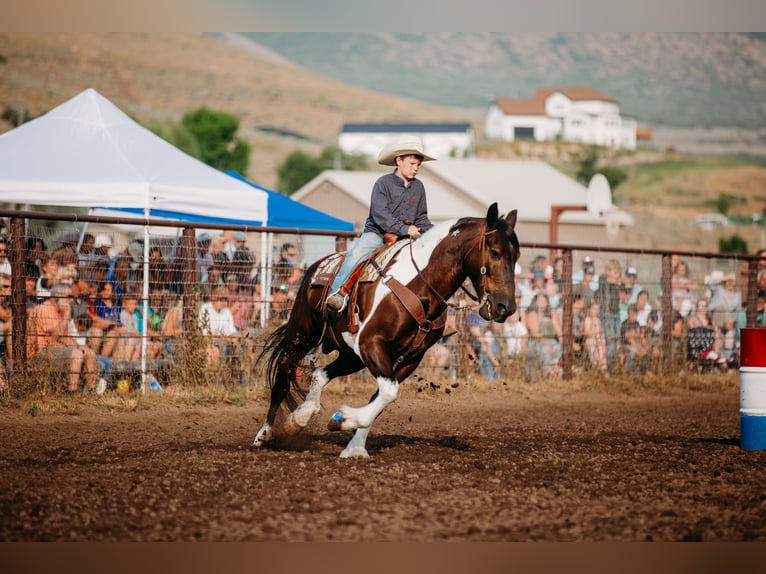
point(389, 322)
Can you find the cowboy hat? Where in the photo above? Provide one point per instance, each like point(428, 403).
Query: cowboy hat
point(405, 145)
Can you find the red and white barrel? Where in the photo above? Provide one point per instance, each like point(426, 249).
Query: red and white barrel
point(752, 389)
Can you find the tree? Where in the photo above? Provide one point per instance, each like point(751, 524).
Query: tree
point(588, 168)
point(299, 168)
point(215, 133)
point(732, 244)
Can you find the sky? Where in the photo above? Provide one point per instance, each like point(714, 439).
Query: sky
point(399, 15)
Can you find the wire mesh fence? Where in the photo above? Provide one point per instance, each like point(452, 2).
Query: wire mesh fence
point(76, 299)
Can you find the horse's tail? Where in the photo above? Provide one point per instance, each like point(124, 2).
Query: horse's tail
point(276, 349)
point(288, 344)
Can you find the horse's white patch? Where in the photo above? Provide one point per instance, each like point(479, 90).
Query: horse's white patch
point(403, 269)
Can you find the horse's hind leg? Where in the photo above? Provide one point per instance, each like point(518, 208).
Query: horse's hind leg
point(343, 365)
point(279, 392)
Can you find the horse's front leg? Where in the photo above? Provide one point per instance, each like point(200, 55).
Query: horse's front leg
point(350, 418)
point(302, 415)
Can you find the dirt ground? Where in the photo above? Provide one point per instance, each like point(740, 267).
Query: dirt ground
point(468, 465)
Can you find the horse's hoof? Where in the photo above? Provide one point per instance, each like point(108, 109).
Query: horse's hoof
point(335, 422)
point(263, 436)
point(355, 452)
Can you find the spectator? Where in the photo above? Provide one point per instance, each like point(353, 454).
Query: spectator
point(594, 339)
point(725, 300)
point(544, 345)
point(49, 276)
point(224, 258)
point(158, 270)
point(631, 281)
point(481, 345)
point(578, 320)
point(217, 323)
point(35, 250)
point(703, 339)
point(643, 306)
point(203, 257)
point(682, 290)
point(172, 327)
point(609, 286)
point(5, 265)
point(49, 344)
point(516, 334)
point(30, 285)
point(633, 342)
point(68, 272)
point(578, 276)
point(523, 288)
point(6, 324)
point(132, 334)
point(83, 254)
point(80, 331)
point(286, 268)
point(102, 243)
point(107, 341)
point(624, 302)
point(583, 288)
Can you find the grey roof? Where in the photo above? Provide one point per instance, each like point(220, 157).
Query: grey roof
point(406, 128)
point(529, 186)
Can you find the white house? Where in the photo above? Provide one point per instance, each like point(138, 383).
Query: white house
point(577, 114)
point(440, 140)
point(458, 188)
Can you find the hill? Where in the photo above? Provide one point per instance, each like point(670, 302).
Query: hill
point(684, 79)
point(157, 77)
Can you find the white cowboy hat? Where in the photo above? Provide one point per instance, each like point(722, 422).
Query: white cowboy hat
point(405, 145)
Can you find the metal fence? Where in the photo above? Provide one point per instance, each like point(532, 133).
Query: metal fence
point(581, 308)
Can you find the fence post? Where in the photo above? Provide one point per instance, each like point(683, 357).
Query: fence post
point(567, 358)
point(667, 313)
point(19, 299)
point(189, 257)
point(752, 293)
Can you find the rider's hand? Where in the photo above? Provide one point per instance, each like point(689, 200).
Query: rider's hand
point(413, 232)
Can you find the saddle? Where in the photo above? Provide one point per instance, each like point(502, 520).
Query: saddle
point(367, 271)
point(371, 270)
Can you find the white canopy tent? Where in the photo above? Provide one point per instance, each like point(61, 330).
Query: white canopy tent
point(87, 152)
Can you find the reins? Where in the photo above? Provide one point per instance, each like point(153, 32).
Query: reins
point(480, 239)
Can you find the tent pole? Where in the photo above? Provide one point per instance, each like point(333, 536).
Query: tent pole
point(263, 280)
point(145, 298)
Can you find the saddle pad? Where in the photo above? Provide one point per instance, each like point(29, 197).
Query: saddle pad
point(329, 267)
point(382, 257)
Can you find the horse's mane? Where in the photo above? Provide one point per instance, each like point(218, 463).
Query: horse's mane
point(502, 226)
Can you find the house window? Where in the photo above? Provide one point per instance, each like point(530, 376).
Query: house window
point(521, 132)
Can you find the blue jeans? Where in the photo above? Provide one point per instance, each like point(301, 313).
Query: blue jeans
point(361, 250)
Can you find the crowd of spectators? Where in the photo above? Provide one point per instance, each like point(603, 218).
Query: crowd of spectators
point(86, 310)
point(86, 305)
point(616, 322)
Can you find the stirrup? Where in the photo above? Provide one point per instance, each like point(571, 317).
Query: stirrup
point(336, 302)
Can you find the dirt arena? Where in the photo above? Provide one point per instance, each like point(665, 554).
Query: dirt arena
point(465, 465)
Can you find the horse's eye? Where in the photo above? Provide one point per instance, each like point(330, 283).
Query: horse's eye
point(494, 254)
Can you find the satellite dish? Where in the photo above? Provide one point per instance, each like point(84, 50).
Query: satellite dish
point(598, 198)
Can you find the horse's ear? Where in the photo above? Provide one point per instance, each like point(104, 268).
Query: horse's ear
point(511, 218)
point(492, 216)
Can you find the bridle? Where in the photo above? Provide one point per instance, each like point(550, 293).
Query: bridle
point(480, 240)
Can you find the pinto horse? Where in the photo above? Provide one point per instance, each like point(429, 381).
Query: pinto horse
point(389, 323)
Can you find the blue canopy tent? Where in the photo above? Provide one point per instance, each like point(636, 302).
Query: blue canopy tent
point(286, 212)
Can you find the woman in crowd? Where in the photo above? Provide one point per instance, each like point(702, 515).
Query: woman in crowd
point(544, 344)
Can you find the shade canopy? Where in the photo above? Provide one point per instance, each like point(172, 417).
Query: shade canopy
point(87, 152)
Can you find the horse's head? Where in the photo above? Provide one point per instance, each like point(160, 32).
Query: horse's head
point(490, 264)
